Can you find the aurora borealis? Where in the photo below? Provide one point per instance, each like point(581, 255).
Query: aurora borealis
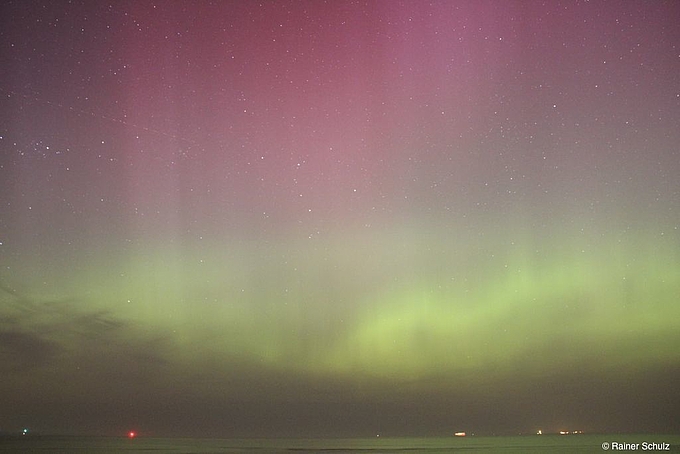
point(339, 218)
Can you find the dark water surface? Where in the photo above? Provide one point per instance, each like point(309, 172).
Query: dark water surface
point(518, 444)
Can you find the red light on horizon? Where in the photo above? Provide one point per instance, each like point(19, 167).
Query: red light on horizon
point(132, 434)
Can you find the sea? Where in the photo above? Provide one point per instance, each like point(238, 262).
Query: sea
point(582, 443)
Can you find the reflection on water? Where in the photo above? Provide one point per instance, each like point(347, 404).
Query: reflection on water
point(518, 444)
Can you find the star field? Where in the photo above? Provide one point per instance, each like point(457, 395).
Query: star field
point(339, 218)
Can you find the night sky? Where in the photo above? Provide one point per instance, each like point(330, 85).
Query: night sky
point(347, 218)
